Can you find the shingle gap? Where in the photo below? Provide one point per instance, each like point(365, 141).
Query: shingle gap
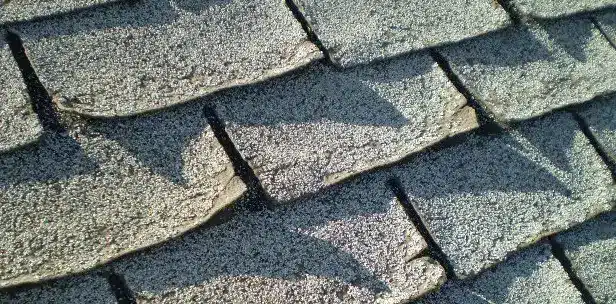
point(433, 248)
point(257, 198)
point(602, 31)
point(39, 97)
point(610, 163)
point(559, 253)
point(511, 11)
point(120, 289)
point(312, 36)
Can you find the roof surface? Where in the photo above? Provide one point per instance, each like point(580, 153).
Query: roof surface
point(165, 151)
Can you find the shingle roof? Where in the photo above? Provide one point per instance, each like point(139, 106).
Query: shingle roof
point(397, 146)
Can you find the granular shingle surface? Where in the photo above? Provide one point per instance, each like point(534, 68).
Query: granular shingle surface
point(558, 8)
point(18, 122)
point(606, 21)
point(21, 10)
point(531, 276)
point(128, 58)
point(491, 195)
point(108, 187)
point(601, 119)
point(80, 289)
point(359, 31)
point(591, 247)
point(313, 128)
point(351, 244)
point(523, 71)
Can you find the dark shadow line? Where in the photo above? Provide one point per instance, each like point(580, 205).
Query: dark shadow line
point(602, 31)
point(559, 253)
point(514, 15)
point(120, 289)
point(258, 198)
point(312, 36)
point(39, 97)
point(433, 248)
point(610, 163)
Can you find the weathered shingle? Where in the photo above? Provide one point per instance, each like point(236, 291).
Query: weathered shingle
point(360, 31)
point(523, 72)
point(18, 122)
point(557, 8)
point(492, 195)
point(350, 244)
point(128, 58)
point(307, 130)
point(108, 187)
point(22, 10)
point(81, 289)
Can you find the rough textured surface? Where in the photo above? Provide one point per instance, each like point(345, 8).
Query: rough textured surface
point(108, 187)
point(311, 129)
point(351, 244)
point(607, 23)
point(20, 10)
point(531, 276)
point(132, 57)
point(360, 31)
point(523, 72)
point(81, 289)
point(18, 122)
point(489, 196)
point(601, 119)
point(557, 8)
point(591, 248)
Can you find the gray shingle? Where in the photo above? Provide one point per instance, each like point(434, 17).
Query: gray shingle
point(490, 196)
point(128, 58)
point(307, 130)
point(531, 276)
point(607, 23)
point(21, 10)
point(353, 243)
point(557, 8)
point(108, 187)
point(81, 289)
point(591, 247)
point(18, 122)
point(600, 117)
point(524, 72)
point(360, 31)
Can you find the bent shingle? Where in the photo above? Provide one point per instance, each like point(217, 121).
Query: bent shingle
point(558, 8)
point(23, 10)
point(19, 124)
point(128, 58)
point(349, 244)
point(492, 195)
point(360, 31)
point(108, 187)
point(523, 71)
point(81, 289)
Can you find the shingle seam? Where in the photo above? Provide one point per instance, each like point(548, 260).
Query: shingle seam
point(39, 97)
point(514, 15)
point(120, 289)
point(559, 253)
point(434, 248)
point(257, 197)
point(312, 36)
point(610, 163)
point(602, 31)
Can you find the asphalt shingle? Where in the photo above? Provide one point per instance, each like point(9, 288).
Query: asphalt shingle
point(82, 289)
point(531, 276)
point(350, 244)
point(19, 124)
point(127, 58)
point(523, 71)
point(607, 23)
point(557, 8)
point(108, 187)
point(360, 31)
point(310, 129)
point(22, 10)
point(591, 248)
point(600, 116)
point(491, 195)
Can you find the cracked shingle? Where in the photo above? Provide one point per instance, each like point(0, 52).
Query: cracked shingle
point(108, 187)
point(350, 244)
point(360, 31)
point(19, 124)
point(128, 58)
point(491, 195)
point(523, 72)
point(81, 289)
point(313, 128)
point(558, 8)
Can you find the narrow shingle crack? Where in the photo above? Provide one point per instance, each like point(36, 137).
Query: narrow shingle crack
point(120, 289)
point(312, 36)
point(559, 254)
point(609, 162)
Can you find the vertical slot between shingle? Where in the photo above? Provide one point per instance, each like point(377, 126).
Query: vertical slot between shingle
point(120, 289)
point(602, 31)
point(312, 36)
point(609, 162)
point(559, 254)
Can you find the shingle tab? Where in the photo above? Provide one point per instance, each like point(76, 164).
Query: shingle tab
point(600, 117)
point(22, 10)
point(360, 31)
point(307, 130)
point(108, 187)
point(350, 244)
point(591, 248)
point(128, 58)
point(81, 289)
point(492, 195)
point(557, 8)
point(531, 276)
point(18, 122)
point(523, 72)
